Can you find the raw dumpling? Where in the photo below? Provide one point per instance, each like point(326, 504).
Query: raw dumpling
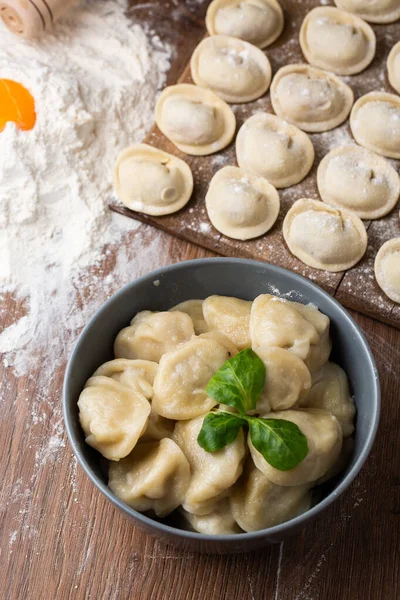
point(337, 41)
point(358, 180)
point(183, 374)
point(299, 328)
point(240, 205)
point(150, 335)
point(393, 66)
point(310, 98)
point(270, 147)
point(193, 308)
point(375, 123)
point(323, 237)
point(257, 503)
point(324, 438)
point(374, 11)
point(235, 70)
point(213, 473)
point(230, 316)
point(152, 181)
point(196, 120)
point(287, 379)
point(259, 22)
point(155, 476)
point(113, 416)
point(387, 269)
point(330, 392)
point(218, 522)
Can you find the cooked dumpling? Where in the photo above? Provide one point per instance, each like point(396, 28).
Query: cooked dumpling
point(301, 329)
point(257, 503)
point(358, 180)
point(259, 22)
point(393, 66)
point(323, 237)
point(387, 269)
point(193, 308)
point(270, 147)
point(375, 123)
point(213, 473)
point(196, 120)
point(150, 335)
point(337, 41)
point(152, 181)
point(324, 438)
point(374, 11)
point(112, 415)
point(235, 70)
point(155, 476)
point(218, 522)
point(287, 379)
point(310, 98)
point(330, 392)
point(230, 316)
point(136, 374)
point(183, 374)
point(240, 205)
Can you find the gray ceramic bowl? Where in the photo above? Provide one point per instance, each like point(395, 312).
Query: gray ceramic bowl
point(246, 279)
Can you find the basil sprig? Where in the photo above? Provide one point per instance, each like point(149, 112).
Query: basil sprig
point(239, 384)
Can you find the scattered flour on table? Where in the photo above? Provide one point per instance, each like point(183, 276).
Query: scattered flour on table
point(94, 82)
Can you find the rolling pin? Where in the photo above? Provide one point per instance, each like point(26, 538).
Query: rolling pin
point(29, 18)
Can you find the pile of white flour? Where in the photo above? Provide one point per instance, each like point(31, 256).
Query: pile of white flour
point(94, 82)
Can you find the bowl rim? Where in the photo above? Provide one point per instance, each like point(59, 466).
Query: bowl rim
point(282, 528)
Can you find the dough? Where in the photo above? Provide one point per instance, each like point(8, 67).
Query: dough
point(151, 335)
point(257, 503)
point(310, 98)
point(152, 181)
point(183, 374)
point(218, 522)
point(240, 205)
point(387, 269)
point(358, 180)
point(337, 41)
point(375, 123)
point(193, 308)
point(393, 66)
point(233, 69)
point(299, 328)
point(330, 392)
point(213, 473)
point(374, 11)
point(324, 437)
point(229, 316)
point(155, 476)
point(323, 237)
point(259, 22)
point(194, 119)
point(287, 379)
point(270, 147)
point(112, 415)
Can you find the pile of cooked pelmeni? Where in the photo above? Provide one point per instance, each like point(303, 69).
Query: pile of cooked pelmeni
point(274, 150)
point(144, 410)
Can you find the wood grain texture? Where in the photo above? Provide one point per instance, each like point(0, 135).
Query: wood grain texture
point(355, 288)
point(61, 540)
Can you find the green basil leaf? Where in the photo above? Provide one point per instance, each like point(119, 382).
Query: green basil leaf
point(239, 382)
point(281, 442)
point(219, 430)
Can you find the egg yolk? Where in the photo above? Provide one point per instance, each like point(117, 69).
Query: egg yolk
point(17, 105)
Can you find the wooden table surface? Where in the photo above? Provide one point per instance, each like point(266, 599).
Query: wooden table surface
point(60, 539)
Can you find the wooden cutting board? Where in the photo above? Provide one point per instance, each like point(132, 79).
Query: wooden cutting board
point(356, 288)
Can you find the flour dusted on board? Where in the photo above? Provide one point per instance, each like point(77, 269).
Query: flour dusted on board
point(94, 81)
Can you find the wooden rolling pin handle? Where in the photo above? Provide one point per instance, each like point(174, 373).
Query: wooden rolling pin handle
point(29, 18)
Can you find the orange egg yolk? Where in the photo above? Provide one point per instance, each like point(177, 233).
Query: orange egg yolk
point(17, 105)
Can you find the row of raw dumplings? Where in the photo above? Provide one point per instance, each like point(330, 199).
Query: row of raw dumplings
point(144, 409)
